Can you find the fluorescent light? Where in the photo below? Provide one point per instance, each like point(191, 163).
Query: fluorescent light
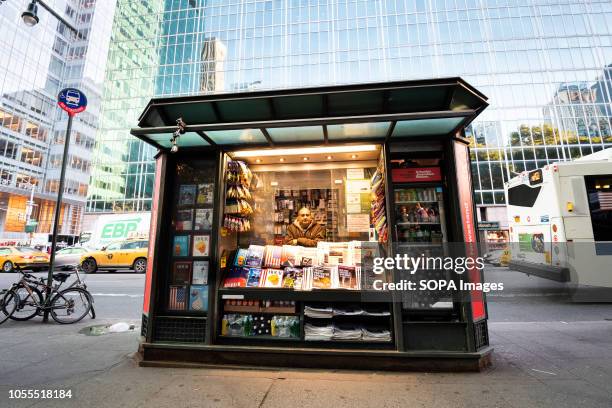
point(305, 150)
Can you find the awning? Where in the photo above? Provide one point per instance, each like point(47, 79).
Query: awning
point(325, 115)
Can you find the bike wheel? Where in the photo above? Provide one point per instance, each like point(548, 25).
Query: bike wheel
point(70, 305)
point(28, 304)
point(9, 301)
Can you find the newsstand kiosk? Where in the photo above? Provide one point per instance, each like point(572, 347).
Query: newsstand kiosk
point(373, 170)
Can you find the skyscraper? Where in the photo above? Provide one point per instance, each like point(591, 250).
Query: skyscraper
point(527, 56)
point(35, 63)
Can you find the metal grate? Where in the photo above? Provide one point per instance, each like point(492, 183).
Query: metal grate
point(181, 330)
point(481, 334)
point(144, 325)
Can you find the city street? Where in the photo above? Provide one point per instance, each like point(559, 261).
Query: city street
point(548, 352)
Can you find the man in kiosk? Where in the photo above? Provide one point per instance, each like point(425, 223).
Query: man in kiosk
point(304, 231)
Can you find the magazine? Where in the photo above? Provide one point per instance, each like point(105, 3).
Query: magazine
point(253, 278)
point(322, 277)
point(271, 278)
point(255, 256)
point(198, 298)
point(241, 257)
point(236, 277)
point(347, 277)
point(181, 245)
point(203, 219)
point(292, 278)
point(290, 255)
point(181, 273)
point(187, 194)
point(183, 220)
point(206, 193)
point(200, 273)
point(272, 256)
point(177, 299)
point(201, 245)
point(308, 256)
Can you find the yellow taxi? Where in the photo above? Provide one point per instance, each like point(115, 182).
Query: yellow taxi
point(128, 254)
point(23, 257)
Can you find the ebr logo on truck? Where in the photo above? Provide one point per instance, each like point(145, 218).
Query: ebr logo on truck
point(120, 229)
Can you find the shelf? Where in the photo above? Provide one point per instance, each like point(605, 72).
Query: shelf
point(315, 295)
point(275, 338)
point(347, 317)
point(417, 201)
point(417, 223)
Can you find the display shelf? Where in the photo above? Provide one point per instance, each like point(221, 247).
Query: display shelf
point(250, 309)
point(263, 338)
point(322, 295)
point(417, 223)
point(418, 201)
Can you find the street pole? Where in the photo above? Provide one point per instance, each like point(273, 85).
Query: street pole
point(58, 206)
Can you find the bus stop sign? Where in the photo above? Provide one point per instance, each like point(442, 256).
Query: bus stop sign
point(72, 101)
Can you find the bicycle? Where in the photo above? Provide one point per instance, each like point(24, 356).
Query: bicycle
point(13, 302)
point(66, 306)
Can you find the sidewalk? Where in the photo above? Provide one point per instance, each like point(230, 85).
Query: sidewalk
point(551, 364)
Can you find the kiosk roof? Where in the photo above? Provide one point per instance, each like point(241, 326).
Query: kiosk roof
point(332, 114)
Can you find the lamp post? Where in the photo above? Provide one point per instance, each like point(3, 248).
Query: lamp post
point(30, 16)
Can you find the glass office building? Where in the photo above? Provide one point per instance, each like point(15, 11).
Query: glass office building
point(545, 65)
point(35, 63)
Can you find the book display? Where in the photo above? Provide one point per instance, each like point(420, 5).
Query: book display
point(189, 263)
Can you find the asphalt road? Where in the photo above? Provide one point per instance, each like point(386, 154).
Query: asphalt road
point(119, 295)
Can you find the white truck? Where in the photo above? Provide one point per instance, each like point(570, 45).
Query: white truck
point(560, 220)
point(101, 230)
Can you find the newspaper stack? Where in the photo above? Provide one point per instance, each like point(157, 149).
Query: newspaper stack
point(372, 311)
point(318, 312)
point(318, 333)
point(375, 334)
point(347, 333)
point(349, 311)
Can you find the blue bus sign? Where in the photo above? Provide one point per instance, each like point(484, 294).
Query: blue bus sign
point(72, 101)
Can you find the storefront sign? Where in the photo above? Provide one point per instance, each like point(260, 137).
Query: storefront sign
point(488, 225)
point(416, 174)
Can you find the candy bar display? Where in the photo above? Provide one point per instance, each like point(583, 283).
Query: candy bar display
point(238, 209)
point(378, 211)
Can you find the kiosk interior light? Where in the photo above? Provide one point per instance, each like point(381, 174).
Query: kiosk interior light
point(307, 150)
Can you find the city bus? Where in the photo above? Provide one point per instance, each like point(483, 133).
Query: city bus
point(560, 220)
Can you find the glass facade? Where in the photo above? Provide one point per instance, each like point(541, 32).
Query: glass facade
point(546, 66)
point(35, 63)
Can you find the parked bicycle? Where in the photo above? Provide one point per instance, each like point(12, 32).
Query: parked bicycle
point(24, 299)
